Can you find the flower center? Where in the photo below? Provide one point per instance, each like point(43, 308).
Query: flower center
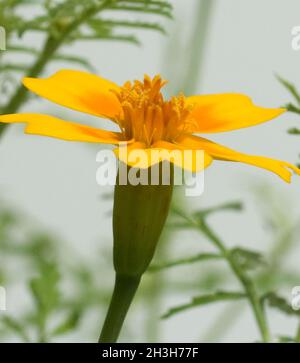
point(147, 117)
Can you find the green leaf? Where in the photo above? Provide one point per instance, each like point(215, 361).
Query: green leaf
point(113, 37)
point(294, 130)
point(230, 206)
point(74, 59)
point(58, 57)
point(290, 87)
point(185, 261)
point(179, 225)
point(13, 67)
point(16, 327)
point(286, 339)
point(292, 108)
point(58, 16)
point(247, 259)
point(68, 325)
point(278, 302)
point(44, 288)
point(198, 218)
point(22, 49)
point(218, 296)
point(143, 9)
point(110, 24)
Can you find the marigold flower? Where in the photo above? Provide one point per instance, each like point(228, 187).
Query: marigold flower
point(146, 120)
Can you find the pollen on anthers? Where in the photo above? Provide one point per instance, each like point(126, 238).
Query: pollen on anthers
point(147, 117)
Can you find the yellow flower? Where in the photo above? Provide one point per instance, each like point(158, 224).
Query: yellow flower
point(146, 120)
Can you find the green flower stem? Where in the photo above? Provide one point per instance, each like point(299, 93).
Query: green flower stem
point(246, 282)
point(124, 292)
point(139, 216)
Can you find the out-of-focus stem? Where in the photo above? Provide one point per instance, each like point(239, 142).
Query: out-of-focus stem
point(197, 44)
point(222, 323)
point(246, 282)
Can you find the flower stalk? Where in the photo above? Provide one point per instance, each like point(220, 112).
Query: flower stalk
point(123, 294)
point(139, 215)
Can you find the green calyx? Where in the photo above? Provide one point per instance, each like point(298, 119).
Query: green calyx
point(139, 215)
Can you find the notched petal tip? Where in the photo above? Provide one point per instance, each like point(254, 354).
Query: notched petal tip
point(219, 152)
point(292, 169)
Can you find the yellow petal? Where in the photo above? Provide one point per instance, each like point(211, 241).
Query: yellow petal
point(182, 157)
point(135, 155)
point(139, 156)
point(225, 112)
point(219, 152)
point(79, 91)
point(54, 127)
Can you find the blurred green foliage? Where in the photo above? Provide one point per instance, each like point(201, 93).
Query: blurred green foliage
point(62, 23)
point(293, 107)
point(262, 275)
point(60, 293)
point(291, 88)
